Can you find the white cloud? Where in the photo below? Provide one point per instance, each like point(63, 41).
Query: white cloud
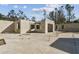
point(15, 6)
point(24, 7)
point(48, 7)
point(36, 9)
point(53, 5)
point(40, 9)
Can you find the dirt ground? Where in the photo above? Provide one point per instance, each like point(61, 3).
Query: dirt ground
point(40, 43)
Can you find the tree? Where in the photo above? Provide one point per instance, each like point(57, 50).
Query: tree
point(21, 15)
point(33, 19)
point(25, 17)
point(69, 9)
point(51, 15)
point(44, 14)
point(61, 17)
point(73, 16)
point(12, 15)
point(56, 14)
point(1, 16)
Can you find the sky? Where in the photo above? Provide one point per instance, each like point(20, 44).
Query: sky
point(36, 10)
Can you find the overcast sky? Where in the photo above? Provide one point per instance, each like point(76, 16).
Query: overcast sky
point(35, 9)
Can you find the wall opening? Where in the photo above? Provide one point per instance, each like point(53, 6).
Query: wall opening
point(56, 27)
point(62, 26)
point(50, 27)
point(18, 25)
point(38, 26)
point(32, 26)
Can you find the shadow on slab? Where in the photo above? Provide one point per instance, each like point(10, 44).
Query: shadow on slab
point(69, 45)
point(2, 42)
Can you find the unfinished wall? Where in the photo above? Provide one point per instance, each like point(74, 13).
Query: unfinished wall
point(9, 29)
point(25, 26)
point(16, 24)
point(74, 27)
point(46, 25)
point(6, 26)
point(50, 27)
point(59, 27)
point(42, 27)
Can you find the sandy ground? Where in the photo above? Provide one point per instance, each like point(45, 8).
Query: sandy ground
point(39, 43)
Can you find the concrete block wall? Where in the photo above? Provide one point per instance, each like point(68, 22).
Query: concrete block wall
point(25, 26)
point(6, 26)
point(42, 27)
point(9, 29)
point(72, 27)
point(47, 21)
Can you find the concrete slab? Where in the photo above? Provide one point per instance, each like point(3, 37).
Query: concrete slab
point(36, 43)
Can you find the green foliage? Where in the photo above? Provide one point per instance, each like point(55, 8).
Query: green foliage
point(3, 17)
point(44, 14)
point(12, 15)
point(21, 15)
point(15, 16)
point(69, 9)
point(33, 19)
point(57, 15)
point(51, 15)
